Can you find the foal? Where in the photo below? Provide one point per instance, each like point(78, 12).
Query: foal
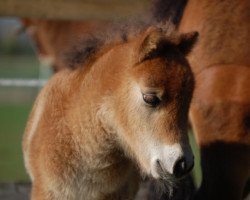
point(127, 107)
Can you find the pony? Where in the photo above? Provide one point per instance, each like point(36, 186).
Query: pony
point(95, 130)
point(220, 108)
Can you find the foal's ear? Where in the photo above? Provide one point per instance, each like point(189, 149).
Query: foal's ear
point(187, 42)
point(150, 43)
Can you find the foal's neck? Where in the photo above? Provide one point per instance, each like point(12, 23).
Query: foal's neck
point(98, 85)
point(107, 71)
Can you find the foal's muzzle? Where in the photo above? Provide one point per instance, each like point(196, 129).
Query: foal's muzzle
point(175, 161)
point(180, 168)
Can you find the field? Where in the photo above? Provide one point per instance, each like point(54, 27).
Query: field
point(13, 118)
point(15, 105)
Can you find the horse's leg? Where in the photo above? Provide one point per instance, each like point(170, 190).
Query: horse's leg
point(225, 165)
point(246, 194)
point(224, 171)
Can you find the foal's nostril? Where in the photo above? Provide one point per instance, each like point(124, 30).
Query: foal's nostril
point(181, 167)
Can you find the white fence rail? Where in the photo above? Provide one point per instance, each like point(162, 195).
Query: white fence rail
point(22, 82)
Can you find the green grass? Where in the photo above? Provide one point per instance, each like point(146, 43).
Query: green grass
point(13, 119)
point(15, 105)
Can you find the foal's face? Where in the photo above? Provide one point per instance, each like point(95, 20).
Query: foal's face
point(159, 100)
point(153, 114)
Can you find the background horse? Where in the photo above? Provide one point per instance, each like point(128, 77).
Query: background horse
point(53, 37)
point(127, 106)
point(220, 109)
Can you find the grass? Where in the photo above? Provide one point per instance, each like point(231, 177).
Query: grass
point(15, 105)
point(13, 119)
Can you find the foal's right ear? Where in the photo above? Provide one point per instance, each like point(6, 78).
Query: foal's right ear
point(187, 42)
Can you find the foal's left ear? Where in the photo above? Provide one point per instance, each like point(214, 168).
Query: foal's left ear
point(187, 42)
point(150, 43)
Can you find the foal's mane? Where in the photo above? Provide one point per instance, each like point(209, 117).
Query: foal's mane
point(86, 49)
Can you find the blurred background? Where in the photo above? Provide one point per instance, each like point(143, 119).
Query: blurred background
point(19, 72)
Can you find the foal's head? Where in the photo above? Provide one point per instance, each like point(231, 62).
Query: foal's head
point(151, 105)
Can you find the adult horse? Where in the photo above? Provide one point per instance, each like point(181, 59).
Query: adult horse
point(220, 109)
point(127, 106)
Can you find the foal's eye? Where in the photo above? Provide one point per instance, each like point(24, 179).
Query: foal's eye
point(151, 99)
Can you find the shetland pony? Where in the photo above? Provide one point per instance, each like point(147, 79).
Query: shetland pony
point(92, 128)
point(220, 109)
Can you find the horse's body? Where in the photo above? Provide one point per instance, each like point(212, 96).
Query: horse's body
point(220, 109)
point(128, 106)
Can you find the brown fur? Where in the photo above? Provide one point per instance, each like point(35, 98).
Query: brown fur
point(221, 104)
point(82, 140)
